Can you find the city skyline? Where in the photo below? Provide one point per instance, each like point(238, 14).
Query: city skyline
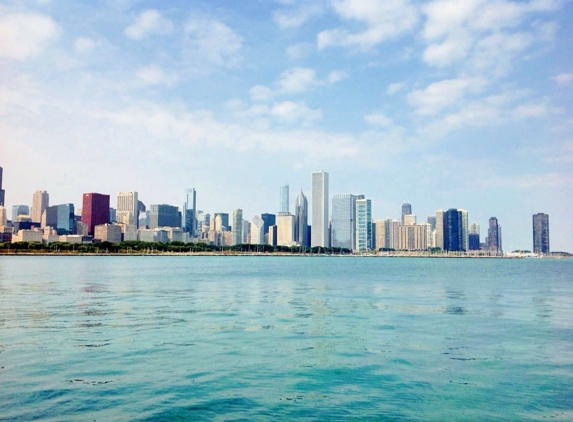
point(446, 104)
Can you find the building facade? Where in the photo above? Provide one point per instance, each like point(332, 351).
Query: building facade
point(284, 199)
point(237, 227)
point(301, 220)
point(127, 207)
point(40, 201)
point(320, 232)
point(363, 225)
point(494, 236)
point(163, 215)
point(541, 233)
point(95, 210)
point(190, 212)
point(343, 221)
point(406, 210)
point(257, 231)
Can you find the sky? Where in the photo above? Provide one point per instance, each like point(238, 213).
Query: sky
point(445, 104)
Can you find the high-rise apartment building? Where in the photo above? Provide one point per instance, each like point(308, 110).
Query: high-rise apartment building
point(343, 221)
point(494, 236)
point(301, 220)
point(363, 224)
point(127, 208)
point(409, 219)
point(284, 199)
point(319, 232)
point(2, 192)
point(190, 212)
point(95, 210)
point(406, 210)
point(40, 201)
point(541, 233)
point(237, 227)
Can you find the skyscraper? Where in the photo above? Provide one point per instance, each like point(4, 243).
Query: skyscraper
point(541, 233)
point(453, 233)
point(270, 220)
point(163, 215)
point(494, 236)
point(319, 233)
point(465, 229)
point(301, 220)
point(257, 231)
point(343, 221)
point(2, 192)
point(61, 218)
point(474, 239)
point(406, 210)
point(19, 210)
point(95, 210)
point(363, 224)
point(127, 208)
point(237, 227)
point(284, 199)
point(40, 201)
point(190, 212)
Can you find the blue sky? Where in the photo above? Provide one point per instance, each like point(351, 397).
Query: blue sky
point(447, 104)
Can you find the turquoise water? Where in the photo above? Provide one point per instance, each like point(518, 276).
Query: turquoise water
point(285, 338)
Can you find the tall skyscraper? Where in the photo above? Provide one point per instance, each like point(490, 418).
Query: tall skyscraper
point(465, 229)
point(406, 210)
point(285, 229)
point(127, 208)
point(494, 236)
point(474, 237)
point(61, 218)
point(190, 212)
point(163, 215)
point(432, 221)
point(440, 229)
point(2, 192)
point(301, 220)
point(343, 221)
point(319, 233)
point(40, 201)
point(95, 210)
point(237, 227)
point(453, 232)
point(270, 220)
point(541, 233)
point(363, 224)
point(284, 199)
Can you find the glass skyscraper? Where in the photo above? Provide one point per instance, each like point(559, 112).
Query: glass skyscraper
point(319, 232)
point(541, 233)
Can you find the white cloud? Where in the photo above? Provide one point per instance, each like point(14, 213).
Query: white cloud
point(154, 75)
point(482, 33)
point(383, 20)
point(336, 76)
point(292, 112)
point(25, 35)
point(297, 79)
point(148, 22)
point(300, 50)
point(439, 95)
point(86, 44)
point(213, 41)
point(563, 79)
point(297, 17)
point(378, 119)
point(395, 87)
point(261, 93)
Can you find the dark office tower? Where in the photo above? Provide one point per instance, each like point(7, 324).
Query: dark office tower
point(406, 210)
point(2, 192)
point(270, 220)
point(190, 212)
point(453, 232)
point(61, 218)
point(541, 233)
point(163, 215)
point(494, 236)
point(95, 210)
point(474, 241)
point(301, 220)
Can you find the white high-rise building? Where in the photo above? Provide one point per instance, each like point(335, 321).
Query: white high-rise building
point(319, 232)
point(301, 220)
point(257, 231)
point(465, 230)
point(40, 201)
point(363, 224)
point(127, 203)
point(439, 229)
point(285, 229)
point(237, 229)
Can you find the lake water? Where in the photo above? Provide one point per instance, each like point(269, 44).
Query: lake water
point(285, 338)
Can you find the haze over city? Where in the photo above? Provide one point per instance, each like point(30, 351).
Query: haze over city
point(445, 107)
